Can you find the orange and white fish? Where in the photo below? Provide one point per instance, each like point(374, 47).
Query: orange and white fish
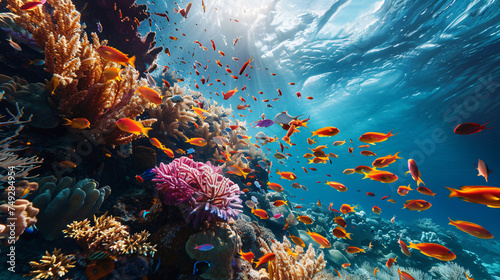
point(115, 55)
point(79, 123)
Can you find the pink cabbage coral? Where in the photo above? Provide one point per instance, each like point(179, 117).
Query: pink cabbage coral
point(199, 185)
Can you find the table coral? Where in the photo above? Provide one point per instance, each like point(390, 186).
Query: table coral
point(200, 186)
point(83, 90)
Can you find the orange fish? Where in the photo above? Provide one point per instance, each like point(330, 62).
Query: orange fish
point(275, 187)
point(426, 191)
point(79, 123)
point(403, 190)
point(67, 164)
point(375, 137)
point(112, 73)
point(229, 93)
point(472, 229)
point(338, 143)
point(403, 275)
point(305, 219)
point(247, 256)
point(483, 170)
point(489, 196)
point(348, 171)
point(376, 210)
point(382, 162)
point(132, 126)
point(346, 265)
point(361, 169)
point(340, 221)
point(346, 208)
point(338, 186)
point(155, 142)
point(467, 276)
point(260, 213)
point(404, 247)
point(150, 94)
point(375, 271)
point(340, 232)
point(363, 146)
point(354, 250)
point(434, 251)
point(390, 262)
point(321, 240)
point(368, 153)
point(278, 203)
point(168, 151)
point(286, 175)
point(417, 205)
point(415, 173)
point(200, 142)
point(115, 55)
point(242, 69)
point(326, 132)
point(297, 240)
point(266, 258)
point(381, 176)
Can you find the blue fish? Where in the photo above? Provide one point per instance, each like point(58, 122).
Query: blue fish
point(256, 183)
point(228, 129)
point(190, 151)
point(204, 247)
point(99, 27)
point(177, 99)
point(155, 265)
point(201, 267)
point(30, 232)
point(264, 123)
point(146, 175)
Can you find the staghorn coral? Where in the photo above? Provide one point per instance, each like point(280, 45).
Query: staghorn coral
point(22, 212)
point(53, 266)
point(83, 90)
point(110, 235)
point(9, 160)
point(200, 186)
point(287, 267)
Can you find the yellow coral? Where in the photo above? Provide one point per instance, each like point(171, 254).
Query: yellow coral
point(54, 266)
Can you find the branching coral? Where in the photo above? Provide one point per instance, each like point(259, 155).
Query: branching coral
point(200, 186)
point(53, 266)
point(110, 235)
point(83, 90)
point(288, 267)
point(9, 160)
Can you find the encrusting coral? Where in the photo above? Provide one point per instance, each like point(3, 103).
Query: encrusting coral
point(199, 186)
point(108, 234)
point(82, 89)
point(288, 267)
point(53, 266)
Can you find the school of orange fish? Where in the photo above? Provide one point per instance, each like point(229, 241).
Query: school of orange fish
point(487, 195)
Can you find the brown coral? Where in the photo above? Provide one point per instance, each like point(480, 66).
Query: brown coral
point(21, 215)
point(54, 266)
point(110, 235)
point(83, 90)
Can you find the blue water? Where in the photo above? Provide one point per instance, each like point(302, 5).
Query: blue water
point(417, 68)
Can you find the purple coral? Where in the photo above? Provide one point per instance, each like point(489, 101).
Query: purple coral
point(200, 186)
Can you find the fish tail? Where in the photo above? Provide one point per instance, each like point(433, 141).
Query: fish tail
point(454, 192)
point(405, 205)
point(68, 121)
point(390, 134)
point(278, 172)
point(451, 222)
point(314, 133)
point(366, 175)
point(131, 61)
point(362, 250)
point(348, 235)
point(419, 180)
point(146, 130)
point(407, 172)
point(396, 156)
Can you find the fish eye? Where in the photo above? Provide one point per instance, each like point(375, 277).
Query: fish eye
point(449, 252)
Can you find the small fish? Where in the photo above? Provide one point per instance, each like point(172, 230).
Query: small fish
point(277, 216)
point(115, 55)
point(326, 132)
point(321, 240)
point(31, 5)
point(483, 170)
point(132, 126)
point(200, 142)
point(376, 210)
point(190, 151)
point(426, 191)
point(403, 275)
point(201, 267)
point(112, 73)
point(305, 219)
point(204, 247)
point(143, 214)
point(37, 62)
point(354, 250)
point(260, 213)
point(417, 205)
point(264, 259)
point(368, 153)
point(433, 250)
point(470, 128)
point(230, 93)
point(99, 26)
point(249, 256)
point(54, 83)
point(79, 123)
point(67, 164)
point(375, 137)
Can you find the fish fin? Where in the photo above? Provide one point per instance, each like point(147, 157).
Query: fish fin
point(396, 156)
point(407, 172)
point(389, 134)
point(366, 175)
point(146, 130)
point(453, 192)
point(493, 206)
point(131, 61)
point(484, 126)
point(348, 235)
point(68, 121)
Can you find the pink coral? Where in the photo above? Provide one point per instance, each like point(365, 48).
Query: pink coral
point(199, 185)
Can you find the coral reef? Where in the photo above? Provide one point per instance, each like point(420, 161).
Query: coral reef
point(200, 186)
point(22, 212)
point(82, 89)
point(110, 235)
point(288, 267)
point(9, 160)
point(224, 240)
point(66, 202)
point(53, 265)
point(32, 97)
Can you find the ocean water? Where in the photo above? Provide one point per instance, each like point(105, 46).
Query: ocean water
point(415, 68)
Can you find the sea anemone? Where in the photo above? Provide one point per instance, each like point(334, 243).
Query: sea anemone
point(201, 186)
